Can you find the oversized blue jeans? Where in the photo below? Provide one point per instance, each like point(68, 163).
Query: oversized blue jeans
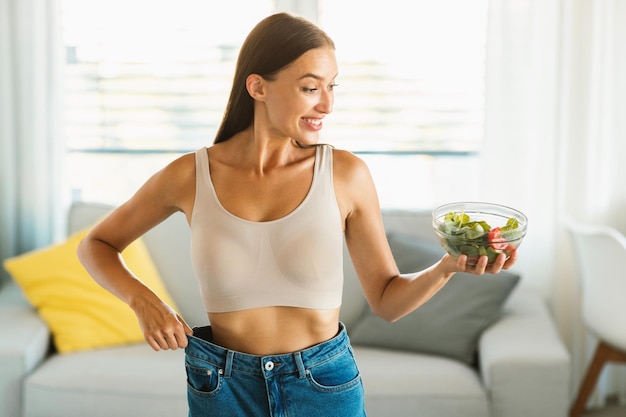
point(319, 381)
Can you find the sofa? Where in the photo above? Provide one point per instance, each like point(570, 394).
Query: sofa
point(518, 365)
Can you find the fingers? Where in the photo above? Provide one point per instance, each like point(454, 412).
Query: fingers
point(162, 327)
point(497, 266)
point(154, 344)
point(478, 269)
point(181, 337)
point(188, 330)
point(158, 341)
point(511, 260)
point(482, 266)
point(168, 336)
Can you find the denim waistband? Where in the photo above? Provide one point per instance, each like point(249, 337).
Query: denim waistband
point(296, 362)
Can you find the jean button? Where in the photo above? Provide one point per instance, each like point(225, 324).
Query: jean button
point(269, 365)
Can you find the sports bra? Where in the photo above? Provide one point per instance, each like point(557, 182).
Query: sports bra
point(296, 260)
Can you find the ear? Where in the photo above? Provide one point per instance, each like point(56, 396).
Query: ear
point(255, 84)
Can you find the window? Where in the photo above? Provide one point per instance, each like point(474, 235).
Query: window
point(412, 100)
point(414, 81)
point(147, 81)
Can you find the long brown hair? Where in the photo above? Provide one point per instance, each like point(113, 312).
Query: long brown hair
point(274, 43)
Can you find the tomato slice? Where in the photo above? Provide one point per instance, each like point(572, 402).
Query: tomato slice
point(495, 239)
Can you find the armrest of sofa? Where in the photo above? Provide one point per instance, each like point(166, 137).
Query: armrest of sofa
point(24, 343)
point(523, 361)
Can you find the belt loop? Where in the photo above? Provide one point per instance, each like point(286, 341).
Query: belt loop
point(297, 356)
point(229, 363)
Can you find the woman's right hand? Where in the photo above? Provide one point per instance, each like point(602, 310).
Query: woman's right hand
point(162, 327)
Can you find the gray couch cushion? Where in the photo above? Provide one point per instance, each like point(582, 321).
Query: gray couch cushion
point(405, 383)
point(450, 323)
point(122, 381)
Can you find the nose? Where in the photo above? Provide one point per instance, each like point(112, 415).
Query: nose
point(325, 104)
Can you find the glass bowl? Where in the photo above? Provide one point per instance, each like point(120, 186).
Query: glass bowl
point(475, 229)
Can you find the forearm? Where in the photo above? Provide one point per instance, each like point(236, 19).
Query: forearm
point(406, 292)
point(106, 266)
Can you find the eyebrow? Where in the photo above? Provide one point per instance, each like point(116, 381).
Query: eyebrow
point(315, 76)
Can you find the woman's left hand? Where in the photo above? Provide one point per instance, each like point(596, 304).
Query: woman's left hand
point(502, 262)
point(482, 266)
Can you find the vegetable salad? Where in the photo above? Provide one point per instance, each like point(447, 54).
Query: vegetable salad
point(459, 235)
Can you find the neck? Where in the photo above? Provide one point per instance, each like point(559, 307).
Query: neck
point(260, 152)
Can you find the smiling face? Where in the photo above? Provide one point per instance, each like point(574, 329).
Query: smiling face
point(297, 99)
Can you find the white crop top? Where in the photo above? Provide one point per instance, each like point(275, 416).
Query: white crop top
point(296, 260)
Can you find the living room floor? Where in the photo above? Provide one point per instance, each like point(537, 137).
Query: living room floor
point(615, 411)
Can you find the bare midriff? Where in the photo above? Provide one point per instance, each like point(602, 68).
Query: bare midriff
point(273, 330)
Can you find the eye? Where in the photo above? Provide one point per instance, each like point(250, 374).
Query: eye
point(332, 86)
point(309, 90)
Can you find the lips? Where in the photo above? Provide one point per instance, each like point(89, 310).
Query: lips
point(314, 123)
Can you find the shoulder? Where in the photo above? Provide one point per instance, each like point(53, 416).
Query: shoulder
point(168, 190)
point(349, 167)
point(174, 184)
point(354, 186)
point(181, 169)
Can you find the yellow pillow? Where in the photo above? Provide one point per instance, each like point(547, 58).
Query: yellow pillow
point(79, 312)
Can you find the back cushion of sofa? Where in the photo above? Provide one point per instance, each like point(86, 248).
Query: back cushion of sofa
point(416, 223)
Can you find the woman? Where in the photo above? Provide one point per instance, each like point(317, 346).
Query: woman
point(268, 208)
